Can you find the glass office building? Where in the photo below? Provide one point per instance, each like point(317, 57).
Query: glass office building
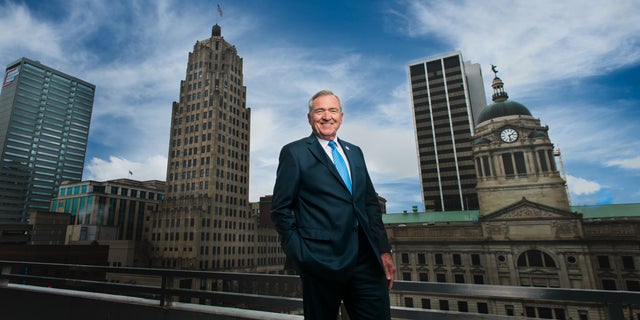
point(44, 126)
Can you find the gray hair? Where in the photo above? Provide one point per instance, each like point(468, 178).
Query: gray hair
point(320, 94)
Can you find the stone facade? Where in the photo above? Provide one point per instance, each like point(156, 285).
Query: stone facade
point(524, 244)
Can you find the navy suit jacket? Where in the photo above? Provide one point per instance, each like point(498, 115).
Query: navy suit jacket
point(314, 213)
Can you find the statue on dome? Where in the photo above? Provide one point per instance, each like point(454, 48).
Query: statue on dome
point(495, 70)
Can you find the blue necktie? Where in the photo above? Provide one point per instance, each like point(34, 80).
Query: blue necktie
point(338, 161)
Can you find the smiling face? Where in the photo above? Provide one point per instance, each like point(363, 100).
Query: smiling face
point(325, 116)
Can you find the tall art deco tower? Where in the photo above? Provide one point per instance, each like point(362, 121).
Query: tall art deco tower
point(205, 220)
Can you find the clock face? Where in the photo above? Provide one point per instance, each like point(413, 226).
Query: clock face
point(509, 135)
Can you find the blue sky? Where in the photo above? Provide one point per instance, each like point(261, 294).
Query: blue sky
point(574, 64)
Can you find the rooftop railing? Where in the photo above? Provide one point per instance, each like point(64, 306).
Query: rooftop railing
point(278, 296)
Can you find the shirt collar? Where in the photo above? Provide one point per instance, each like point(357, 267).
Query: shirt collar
point(325, 143)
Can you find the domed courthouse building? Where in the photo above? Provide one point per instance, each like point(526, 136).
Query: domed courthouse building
point(525, 232)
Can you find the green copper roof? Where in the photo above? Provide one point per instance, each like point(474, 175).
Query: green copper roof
point(502, 109)
point(588, 212)
point(608, 210)
point(431, 217)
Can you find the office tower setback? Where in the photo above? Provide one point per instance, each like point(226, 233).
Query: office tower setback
point(44, 125)
point(205, 221)
point(446, 94)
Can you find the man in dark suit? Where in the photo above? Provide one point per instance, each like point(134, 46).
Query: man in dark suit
point(330, 226)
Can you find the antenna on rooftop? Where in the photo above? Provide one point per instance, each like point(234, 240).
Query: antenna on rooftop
point(563, 173)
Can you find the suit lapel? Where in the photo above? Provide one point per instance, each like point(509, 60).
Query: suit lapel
point(317, 151)
point(346, 149)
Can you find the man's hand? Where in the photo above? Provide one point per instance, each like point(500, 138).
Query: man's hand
point(389, 267)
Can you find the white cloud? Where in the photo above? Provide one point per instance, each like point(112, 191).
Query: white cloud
point(592, 134)
point(534, 42)
point(631, 163)
point(580, 186)
point(23, 35)
point(389, 150)
point(153, 168)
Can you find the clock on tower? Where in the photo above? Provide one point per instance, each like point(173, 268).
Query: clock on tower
point(509, 135)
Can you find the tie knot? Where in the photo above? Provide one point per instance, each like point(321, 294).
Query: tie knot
point(332, 144)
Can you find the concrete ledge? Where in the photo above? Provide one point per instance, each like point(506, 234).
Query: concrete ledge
point(32, 302)
point(233, 313)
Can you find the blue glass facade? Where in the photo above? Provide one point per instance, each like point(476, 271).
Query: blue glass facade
point(44, 126)
point(121, 204)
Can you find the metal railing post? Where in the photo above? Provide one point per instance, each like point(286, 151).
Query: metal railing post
point(165, 297)
point(4, 269)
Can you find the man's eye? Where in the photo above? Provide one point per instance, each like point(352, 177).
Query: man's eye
point(331, 110)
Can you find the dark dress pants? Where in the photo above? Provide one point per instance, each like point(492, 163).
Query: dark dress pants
point(364, 291)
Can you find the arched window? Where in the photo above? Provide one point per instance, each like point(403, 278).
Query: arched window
point(536, 258)
point(538, 269)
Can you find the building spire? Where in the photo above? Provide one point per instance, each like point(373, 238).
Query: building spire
point(498, 87)
point(216, 31)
